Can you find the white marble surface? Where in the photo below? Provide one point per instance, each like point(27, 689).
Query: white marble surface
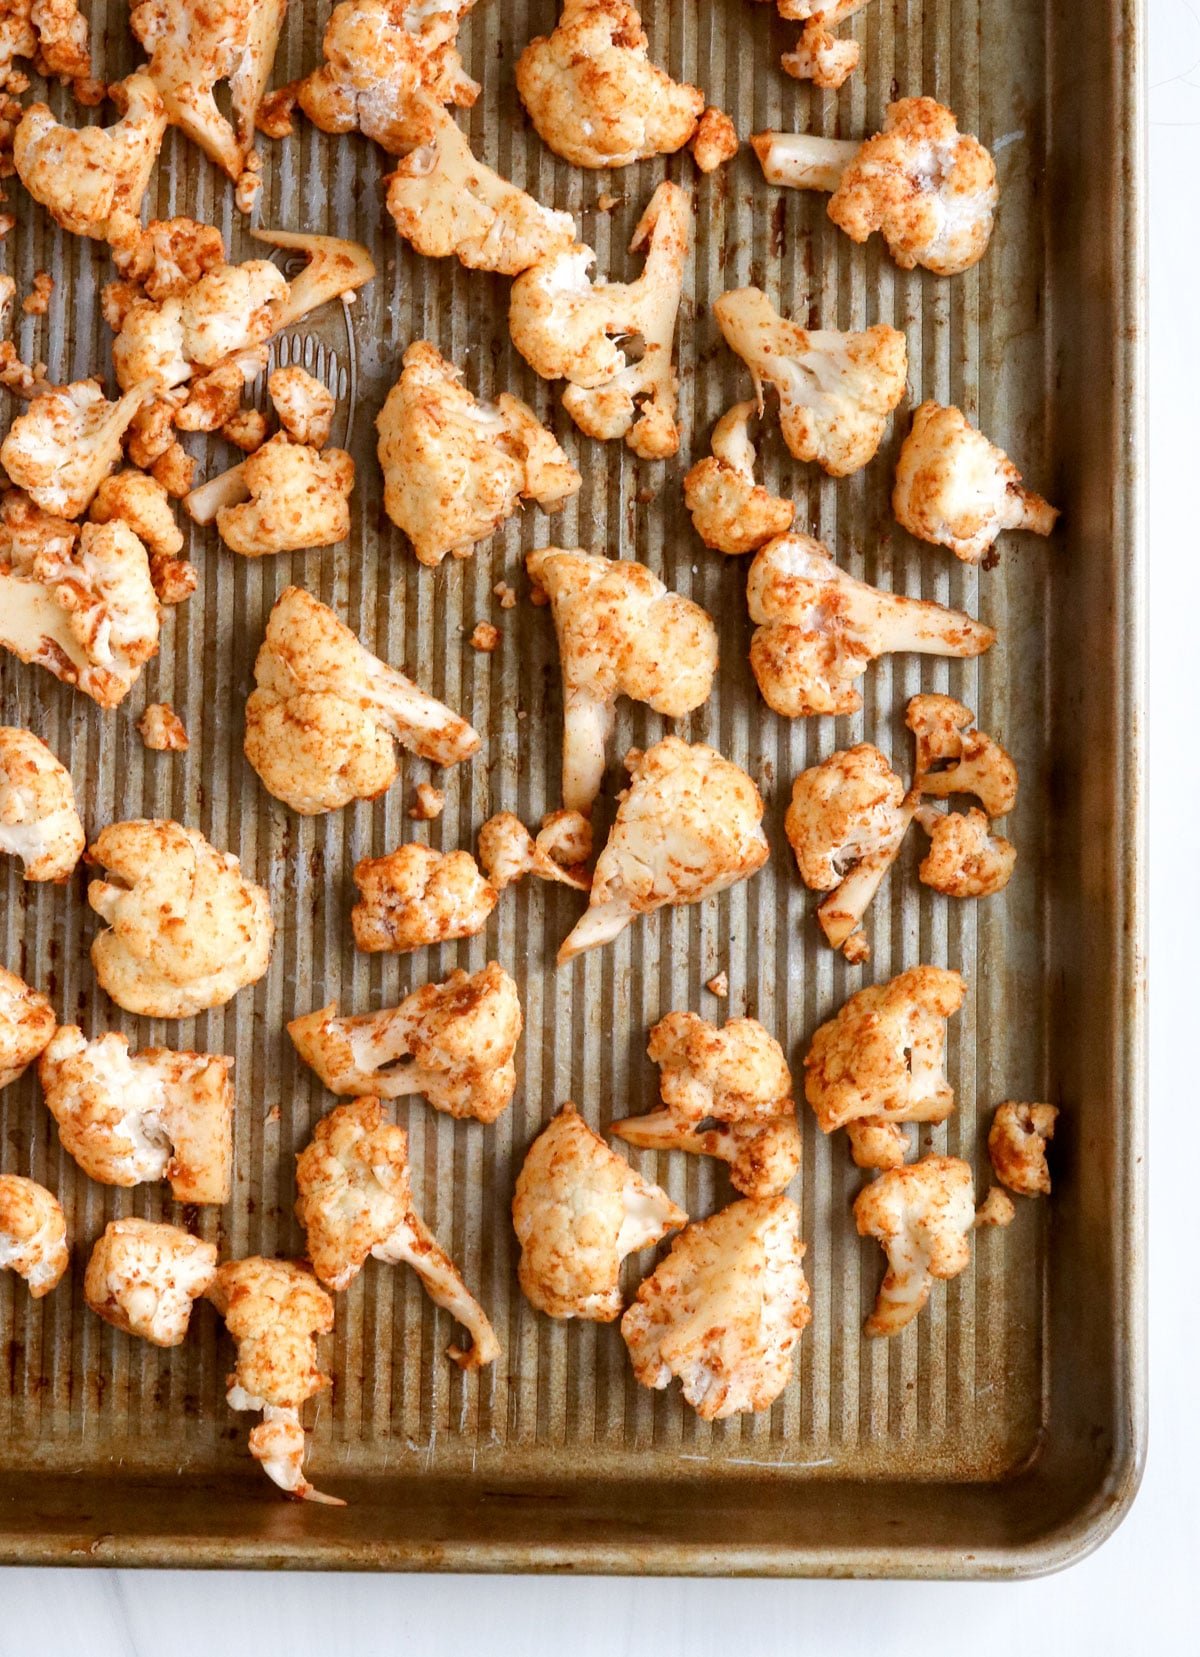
point(1142, 1590)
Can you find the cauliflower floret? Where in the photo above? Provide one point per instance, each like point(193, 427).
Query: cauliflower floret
point(730, 511)
point(921, 1215)
point(162, 730)
point(817, 629)
point(593, 94)
point(996, 1209)
point(880, 1060)
point(621, 632)
point(322, 725)
point(578, 1210)
point(33, 1233)
point(132, 1118)
point(27, 1023)
point(168, 257)
point(952, 757)
point(275, 1309)
point(566, 326)
point(453, 468)
point(836, 390)
point(143, 1278)
point(186, 929)
point(416, 896)
point(725, 1310)
point(66, 443)
point(1017, 1146)
point(819, 56)
point(452, 1042)
point(38, 820)
point(304, 406)
point(561, 851)
point(53, 34)
point(931, 190)
point(956, 489)
point(964, 859)
point(356, 1200)
point(714, 141)
point(688, 825)
point(299, 498)
point(143, 506)
point(444, 201)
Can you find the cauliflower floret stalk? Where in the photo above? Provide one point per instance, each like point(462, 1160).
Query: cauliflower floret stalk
point(131, 1118)
point(621, 632)
point(453, 468)
point(567, 327)
point(92, 179)
point(186, 929)
point(27, 1023)
point(560, 851)
point(356, 1201)
point(953, 757)
point(836, 390)
point(922, 1216)
point(445, 202)
point(52, 34)
point(322, 724)
point(1017, 1146)
point(453, 1043)
point(67, 442)
point(817, 629)
point(578, 1210)
point(819, 56)
point(33, 1234)
point(38, 820)
point(880, 1061)
point(730, 511)
point(725, 1310)
point(688, 825)
point(275, 1309)
point(144, 1278)
point(846, 821)
point(956, 489)
point(965, 860)
point(296, 497)
point(930, 189)
point(416, 896)
point(726, 1093)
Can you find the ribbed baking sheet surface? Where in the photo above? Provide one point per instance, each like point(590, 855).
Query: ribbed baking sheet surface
point(960, 1393)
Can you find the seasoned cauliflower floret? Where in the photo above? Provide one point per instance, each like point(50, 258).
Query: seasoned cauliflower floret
point(38, 820)
point(956, 489)
point(836, 390)
point(52, 34)
point(714, 141)
point(416, 896)
point(819, 56)
point(1017, 1146)
point(965, 860)
point(169, 256)
point(688, 825)
point(921, 1215)
point(578, 1210)
point(323, 722)
point(27, 1023)
point(996, 1209)
point(298, 498)
point(452, 1042)
point(162, 730)
point(304, 406)
point(142, 504)
point(186, 929)
point(143, 1278)
point(817, 629)
point(561, 850)
point(65, 444)
point(730, 511)
point(453, 468)
point(355, 1200)
point(953, 757)
point(621, 632)
point(33, 1233)
point(129, 1118)
point(568, 326)
point(725, 1310)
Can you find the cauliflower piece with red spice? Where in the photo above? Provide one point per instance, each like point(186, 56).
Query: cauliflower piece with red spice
point(52, 34)
point(965, 860)
point(819, 55)
point(561, 850)
point(33, 1234)
point(304, 406)
point(143, 1278)
point(416, 896)
point(38, 820)
point(162, 730)
point(921, 1215)
point(299, 497)
point(142, 504)
point(1017, 1146)
point(65, 444)
point(27, 1023)
point(729, 510)
point(953, 757)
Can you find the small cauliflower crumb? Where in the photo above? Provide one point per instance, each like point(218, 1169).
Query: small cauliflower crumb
point(719, 986)
point(162, 729)
point(486, 637)
point(996, 1209)
point(714, 141)
point(506, 594)
point(247, 429)
point(430, 803)
point(37, 303)
point(606, 202)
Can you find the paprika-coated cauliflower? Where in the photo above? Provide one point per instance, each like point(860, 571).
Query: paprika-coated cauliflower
point(67, 441)
point(186, 929)
point(835, 389)
point(922, 1215)
point(142, 504)
point(27, 1023)
point(1017, 1146)
point(38, 820)
point(33, 1234)
point(143, 1278)
point(304, 405)
point(930, 189)
point(299, 498)
point(567, 326)
point(166, 258)
point(452, 1042)
point(578, 1210)
point(129, 1118)
point(725, 1310)
point(689, 825)
point(956, 489)
point(817, 629)
point(561, 850)
point(324, 719)
point(819, 55)
point(965, 860)
point(453, 468)
point(52, 34)
point(729, 510)
point(953, 757)
point(416, 896)
point(715, 141)
point(621, 632)
point(355, 1201)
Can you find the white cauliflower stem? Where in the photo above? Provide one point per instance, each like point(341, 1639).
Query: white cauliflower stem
point(144, 1278)
point(65, 444)
point(1017, 1146)
point(953, 757)
point(560, 852)
point(38, 820)
point(730, 511)
point(922, 1216)
point(27, 1023)
point(33, 1234)
point(416, 896)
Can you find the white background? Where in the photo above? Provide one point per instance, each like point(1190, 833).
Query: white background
point(1141, 1591)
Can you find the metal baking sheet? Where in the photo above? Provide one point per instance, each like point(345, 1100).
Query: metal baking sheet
point(1002, 1432)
